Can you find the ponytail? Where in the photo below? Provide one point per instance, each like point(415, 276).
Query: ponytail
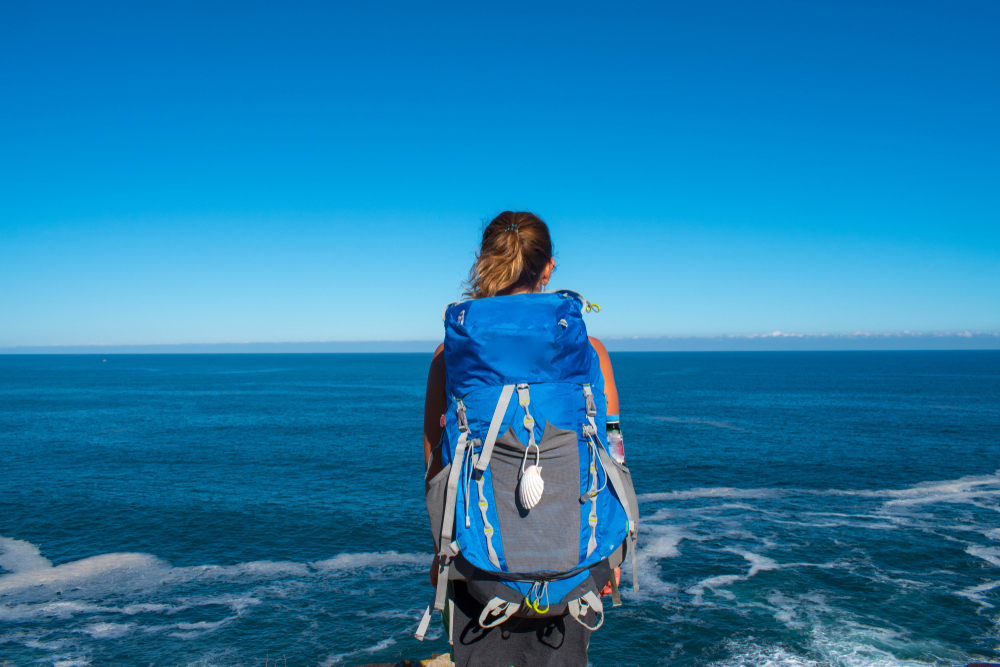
point(514, 252)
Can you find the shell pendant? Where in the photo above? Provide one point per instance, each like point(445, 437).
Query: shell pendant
point(532, 487)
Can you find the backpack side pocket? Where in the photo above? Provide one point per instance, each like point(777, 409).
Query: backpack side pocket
point(626, 476)
point(436, 495)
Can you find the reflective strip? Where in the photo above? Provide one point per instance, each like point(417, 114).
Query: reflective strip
point(487, 528)
point(491, 435)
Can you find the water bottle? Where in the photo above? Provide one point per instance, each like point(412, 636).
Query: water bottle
point(615, 442)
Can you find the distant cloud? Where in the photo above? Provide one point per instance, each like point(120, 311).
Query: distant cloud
point(781, 340)
point(868, 334)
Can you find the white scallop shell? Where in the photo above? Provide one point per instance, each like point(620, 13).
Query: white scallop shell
point(532, 487)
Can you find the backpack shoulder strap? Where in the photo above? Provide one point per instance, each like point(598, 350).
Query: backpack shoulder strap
point(491, 435)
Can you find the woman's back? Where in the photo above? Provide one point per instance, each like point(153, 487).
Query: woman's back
point(529, 512)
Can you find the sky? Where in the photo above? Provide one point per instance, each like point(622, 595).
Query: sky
point(179, 173)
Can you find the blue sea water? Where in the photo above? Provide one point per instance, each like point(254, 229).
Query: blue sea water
point(799, 510)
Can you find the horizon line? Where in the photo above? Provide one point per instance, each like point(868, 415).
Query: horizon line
point(774, 341)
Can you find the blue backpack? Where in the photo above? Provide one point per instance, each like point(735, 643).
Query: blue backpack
point(522, 554)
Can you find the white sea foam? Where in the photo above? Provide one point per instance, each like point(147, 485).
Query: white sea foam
point(749, 654)
point(108, 630)
point(99, 575)
point(705, 422)
point(990, 554)
point(339, 658)
point(356, 561)
point(133, 609)
point(975, 593)
point(236, 603)
point(20, 556)
point(967, 490)
point(962, 490)
point(662, 542)
point(712, 492)
point(837, 524)
point(757, 562)
point(251, 571)
point(63, 609)
point(833, 640)
point(122, 569)
point(195, 630)
point(34, 590)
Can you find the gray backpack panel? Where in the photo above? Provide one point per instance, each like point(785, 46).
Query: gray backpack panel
point(546, 537)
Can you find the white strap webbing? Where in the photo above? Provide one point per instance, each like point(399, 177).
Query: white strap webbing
point(447, 549)
point(491, 435)
point(425, 622)
point(451, 499)
point(502, 610)
point(578, 609)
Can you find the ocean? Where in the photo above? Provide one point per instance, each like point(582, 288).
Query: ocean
point(799, 509)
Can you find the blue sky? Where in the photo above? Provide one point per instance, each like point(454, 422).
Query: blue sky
point(205, 172)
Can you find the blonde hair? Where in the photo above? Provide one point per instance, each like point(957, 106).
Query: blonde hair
point(514, 252)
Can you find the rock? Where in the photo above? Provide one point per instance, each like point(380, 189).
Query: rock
point(436, 660)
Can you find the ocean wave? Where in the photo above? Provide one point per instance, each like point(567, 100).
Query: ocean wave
point(27, 569)
point(966, 490)
point(354, 561)
point(20, 556)
point(758, 563)
point(701, 422)
point(339, 658)
point(989, 554)
point(34, 588)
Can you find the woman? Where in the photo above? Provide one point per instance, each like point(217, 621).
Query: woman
point(515, 257)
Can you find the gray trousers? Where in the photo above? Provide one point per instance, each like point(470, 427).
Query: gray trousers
point(517, 642)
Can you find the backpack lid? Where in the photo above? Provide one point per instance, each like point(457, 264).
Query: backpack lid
point(502, 340)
